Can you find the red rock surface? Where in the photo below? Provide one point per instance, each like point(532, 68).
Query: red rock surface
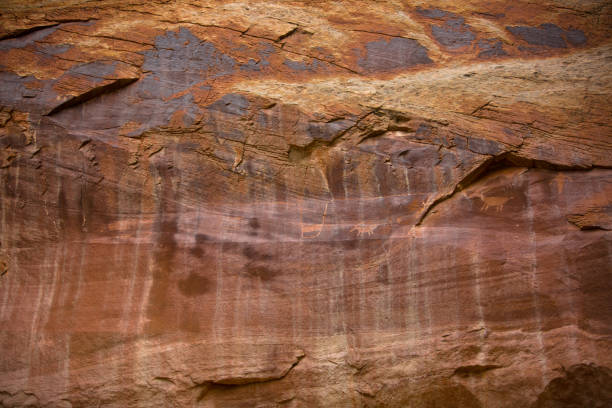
point(305, 204)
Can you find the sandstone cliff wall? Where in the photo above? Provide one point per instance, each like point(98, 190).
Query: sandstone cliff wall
point(305, 203)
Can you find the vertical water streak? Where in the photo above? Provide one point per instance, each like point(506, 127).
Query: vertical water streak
point(533, 281)
point(481, 326)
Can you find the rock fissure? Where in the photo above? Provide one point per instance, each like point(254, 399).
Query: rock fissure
point(56, 23)
point(108, 37)
point(92, 93)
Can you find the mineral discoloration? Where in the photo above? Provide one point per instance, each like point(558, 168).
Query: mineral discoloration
point(453, 34)
point(549, 35)
point(436, 14)
point(305, 204)
point(391, 54)
point(491, 48)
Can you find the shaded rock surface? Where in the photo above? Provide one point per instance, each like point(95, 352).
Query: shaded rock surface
point(305, 204)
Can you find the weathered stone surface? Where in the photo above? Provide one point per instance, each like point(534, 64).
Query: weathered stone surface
point(302, 204)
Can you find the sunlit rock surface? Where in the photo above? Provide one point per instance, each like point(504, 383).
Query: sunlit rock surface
point(305, 204)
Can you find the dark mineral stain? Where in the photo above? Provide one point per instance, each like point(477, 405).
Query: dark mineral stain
point(491, 48)
point(335, 178)
point(424, 156)
point(201, 238)
point(254, 255)
point(448, 163)
point(253, 227)
point(328, 131)
point(55, 49)
point(483, 146)
point(97, 69)
point(197, 250)
point(253, 65)
point(396, 53)
point(254, 223)
point(258, 65)
point(231, 104)
point(262, 272)
point(453, 34)
point(16, 93)
point(194, 285)
point(231, 134)
point(349, 243)
point(548, 35)
point(188, 55)
point(434, 13)
point(271, 118)
point(384, 178)
point(575, 37)
point(28, 38)
point(300, 66)
point(423, 131)
point(230, 246)
point(164, 228)
point(179, 61)
point(532, 50)
point(256, 265)
point(224, 112)
point(382, 276)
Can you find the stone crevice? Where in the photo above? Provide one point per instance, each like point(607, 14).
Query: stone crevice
point(23, 32)
point(92, 93)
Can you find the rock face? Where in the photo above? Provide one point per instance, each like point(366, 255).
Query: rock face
point(306, 204)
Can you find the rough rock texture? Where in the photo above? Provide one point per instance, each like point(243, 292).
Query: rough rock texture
point(306, 204)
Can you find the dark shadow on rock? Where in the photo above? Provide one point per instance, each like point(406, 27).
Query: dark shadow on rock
point(582, 385)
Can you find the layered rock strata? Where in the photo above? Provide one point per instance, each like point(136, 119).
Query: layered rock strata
point(303, 204)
